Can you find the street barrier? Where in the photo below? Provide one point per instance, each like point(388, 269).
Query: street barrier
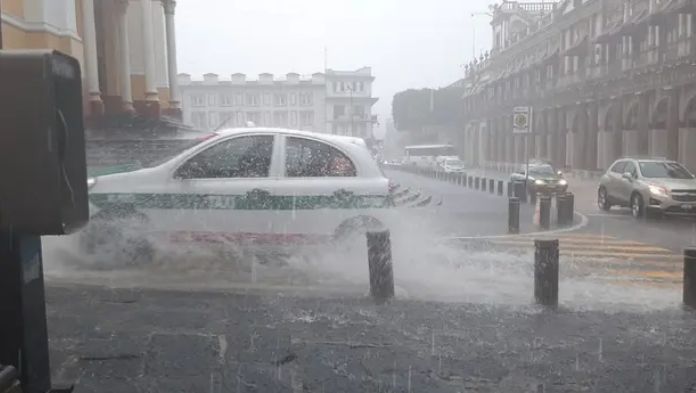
point(379, 258)
point(514, 215)
point(546, 272)
point(500, 187)
point(491, 186)
point(565, 205)
point(545, 212)
point(690, 277)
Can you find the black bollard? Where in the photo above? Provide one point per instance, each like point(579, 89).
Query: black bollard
point(546, 272)
point(470, 182)
point(519, 191)
point(501, 185)
point(561, 210)
point(510, 190)
point(545, 212)
point(477, 183)
point(570, 214)
point(491, 186)
point(483, 184)
point(533, 197)
point(514, 215)
point(380, 263)
point(690, 277)
point(464, 180)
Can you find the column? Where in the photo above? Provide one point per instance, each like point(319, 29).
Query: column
point(673, 125)
point(91, 68)
point(151, 95)
point(174, 101)
point(643, 123)
point(592, 130)
point(124, 56)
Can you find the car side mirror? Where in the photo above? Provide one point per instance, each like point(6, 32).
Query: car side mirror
point(628, 176)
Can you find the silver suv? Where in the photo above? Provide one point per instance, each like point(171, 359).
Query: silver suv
point(648, 186)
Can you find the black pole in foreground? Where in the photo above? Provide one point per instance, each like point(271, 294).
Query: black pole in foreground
point(562, 210)
point(545, 212)
point(500, 187)
point(491, 186)
point(484, 182)
point(546, 272)
point(690, 277)
point(514, 215)
point(380, 262)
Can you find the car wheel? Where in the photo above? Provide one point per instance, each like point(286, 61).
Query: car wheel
point(603, 199)
point(115, 239)
point(637, 206)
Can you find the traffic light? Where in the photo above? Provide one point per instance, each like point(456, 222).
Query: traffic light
point(43, 174)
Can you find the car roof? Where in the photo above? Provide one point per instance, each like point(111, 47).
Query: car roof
point(341, 139)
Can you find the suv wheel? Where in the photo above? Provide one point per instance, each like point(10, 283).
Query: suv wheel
point(637, 206)
point(603, 199)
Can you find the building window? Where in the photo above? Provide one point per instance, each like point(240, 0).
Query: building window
point(281, 99)
point(198, 100)
point(306, 99)
point(359, 111)
point(239, 121)
point(307, 118)
point(252, 100)
point(199, 119)
point(361, 86)
point(266, 99)
point(280, 119)
point(267, 118)
point(339, 111)
point(212, 100)
point(226, 100)
point(238, 99)
point(293, 119)
point(254, 117)
point(293, 99)
point(335, 84)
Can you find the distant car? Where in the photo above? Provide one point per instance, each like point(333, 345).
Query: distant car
point(268, 186)
point(452, 165)
point(648, 186)
point(543, 179)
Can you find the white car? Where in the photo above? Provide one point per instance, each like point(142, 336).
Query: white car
point(254, 185)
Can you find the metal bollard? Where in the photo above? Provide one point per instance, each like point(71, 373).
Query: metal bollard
point(477, 183)
point(501, 185)
point(483, 184)
point(533, 198)
point(491, 186)
point(464, 180)
point(519, 191)
point(561, 208)
point(470, 182)
point(545, 212)
point(690, 277)
point(514, 215)
point(571, 207)
point(546, 272)
point(510, 191)
point(380, 263)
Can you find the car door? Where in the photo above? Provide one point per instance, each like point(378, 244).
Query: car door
point(226, 191)
point(626, 186)
point(323, 184)
point(614, 180)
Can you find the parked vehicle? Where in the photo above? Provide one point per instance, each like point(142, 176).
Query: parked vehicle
point(653, 186)
point(542, 179)
point(244, 185)
point(451, 165)
point(428, 156)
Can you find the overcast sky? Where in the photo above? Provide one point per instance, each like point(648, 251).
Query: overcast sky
point(408, 43)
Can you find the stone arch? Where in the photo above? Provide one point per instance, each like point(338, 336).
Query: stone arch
point(658, 115)
point(686, 104)
point(612, 118)
point(689, 116)
point(631, 116)
point(579, 140)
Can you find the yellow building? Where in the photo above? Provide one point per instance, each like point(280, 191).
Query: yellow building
point(127, 48)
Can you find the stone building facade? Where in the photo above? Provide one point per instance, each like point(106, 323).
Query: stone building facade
point(605, 78)
point(127, 48)
point(337, 102)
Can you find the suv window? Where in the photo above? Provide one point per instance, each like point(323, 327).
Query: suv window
point(308, 158)
point(243, 157)
point(619, 167)
point(665, 170)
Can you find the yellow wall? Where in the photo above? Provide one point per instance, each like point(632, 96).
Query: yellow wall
point(164, 97)
point(138, 87)
point(12, 37)
point(13, 7)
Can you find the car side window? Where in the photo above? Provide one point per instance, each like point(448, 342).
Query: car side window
point(309, 158)
point(243, 157)
point(619, 167)
point(631, 168)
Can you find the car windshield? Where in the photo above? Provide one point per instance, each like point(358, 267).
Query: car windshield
point(454, 162)
point(542, 170)
point(664, 170)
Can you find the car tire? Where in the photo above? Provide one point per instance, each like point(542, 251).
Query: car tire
point(603, 199)
point(637, 206)
point(114, 238)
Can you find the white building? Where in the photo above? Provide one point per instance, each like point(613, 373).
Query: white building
point(338, 102)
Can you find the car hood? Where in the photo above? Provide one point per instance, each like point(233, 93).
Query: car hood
point(674, 184)
point(546, 177)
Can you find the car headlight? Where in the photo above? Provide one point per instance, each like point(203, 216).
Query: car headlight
point(563, 182)
point(91, 182)
point(659, 191)
point(539, 182)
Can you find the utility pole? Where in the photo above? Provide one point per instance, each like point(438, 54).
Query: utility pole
point(0, 24)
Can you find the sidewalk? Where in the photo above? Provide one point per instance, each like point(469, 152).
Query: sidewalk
point(156, 341)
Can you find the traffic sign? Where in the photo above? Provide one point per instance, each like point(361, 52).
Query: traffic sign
point(521, 120)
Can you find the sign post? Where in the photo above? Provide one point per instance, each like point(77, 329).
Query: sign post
point(522, 124)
